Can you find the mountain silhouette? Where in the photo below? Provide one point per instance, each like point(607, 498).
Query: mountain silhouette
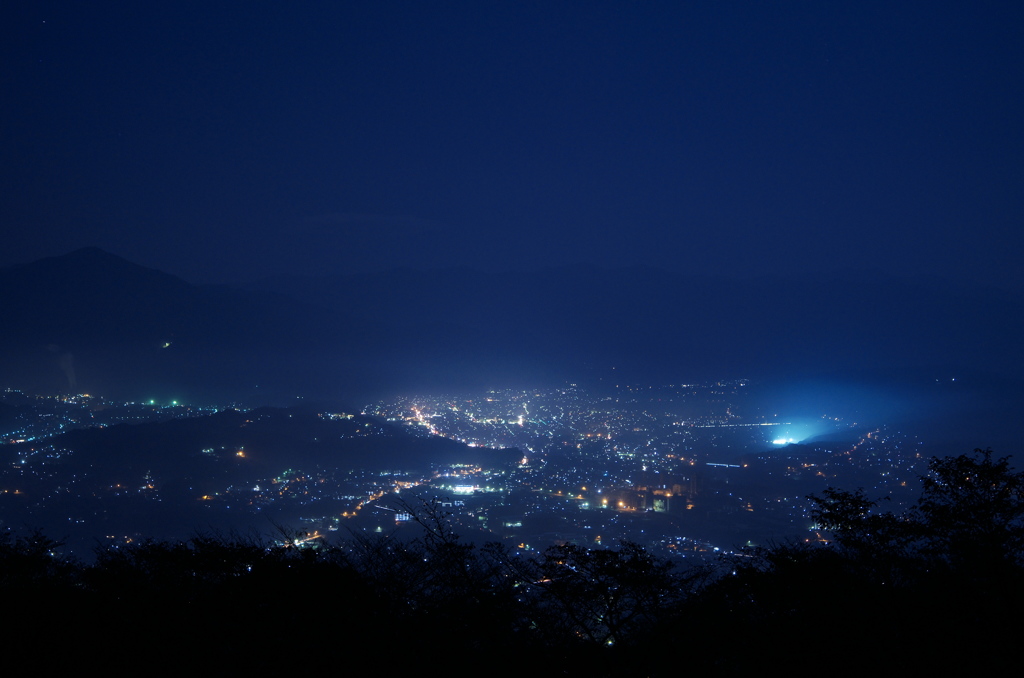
point(122, 327)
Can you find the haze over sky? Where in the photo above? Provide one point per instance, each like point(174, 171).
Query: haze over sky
point(229, 141)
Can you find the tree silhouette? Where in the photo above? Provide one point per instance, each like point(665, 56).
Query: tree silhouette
point(971, 512)
point(936, 587)
point(969, 518)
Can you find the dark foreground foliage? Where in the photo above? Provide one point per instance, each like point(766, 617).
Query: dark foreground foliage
point(933, 589)
point(936, 587)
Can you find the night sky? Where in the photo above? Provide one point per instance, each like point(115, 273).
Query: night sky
point(224, 142)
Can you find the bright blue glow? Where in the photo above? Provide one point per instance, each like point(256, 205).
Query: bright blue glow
point(799, 430)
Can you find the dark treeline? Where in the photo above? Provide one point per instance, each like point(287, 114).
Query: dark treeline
point(937, 586)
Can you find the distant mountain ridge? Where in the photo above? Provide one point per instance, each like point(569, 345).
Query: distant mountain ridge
point(124, 324)
point(706, 326)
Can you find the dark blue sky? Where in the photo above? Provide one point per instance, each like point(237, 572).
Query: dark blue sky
point(226, 141)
